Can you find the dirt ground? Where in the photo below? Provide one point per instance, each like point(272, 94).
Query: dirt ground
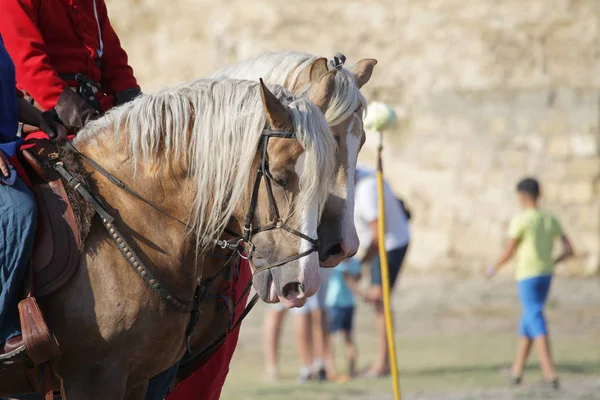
point(455, 336)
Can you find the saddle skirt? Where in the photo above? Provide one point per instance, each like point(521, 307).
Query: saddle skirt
point(57, 240)
point(55, 257)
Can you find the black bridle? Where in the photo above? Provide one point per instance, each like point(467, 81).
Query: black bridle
point(242, 244)
point(264, 174)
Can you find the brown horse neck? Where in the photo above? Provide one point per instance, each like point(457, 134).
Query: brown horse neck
point(164, 244)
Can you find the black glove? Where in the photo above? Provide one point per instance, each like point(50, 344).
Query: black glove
point(53, 126)
point(73, 111)
point(127, 95)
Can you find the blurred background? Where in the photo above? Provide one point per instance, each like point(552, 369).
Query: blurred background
point(486, 91)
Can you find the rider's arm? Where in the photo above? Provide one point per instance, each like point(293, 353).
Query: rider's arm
point(117, 74)
point(24, 42)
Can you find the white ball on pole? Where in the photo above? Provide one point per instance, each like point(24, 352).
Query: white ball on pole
point(380, 116)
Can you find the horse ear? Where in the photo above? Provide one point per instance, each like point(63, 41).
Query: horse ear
point(321, 91)
point(362, 71)
point(312, 73)
point(277, 114)
point(317, 70)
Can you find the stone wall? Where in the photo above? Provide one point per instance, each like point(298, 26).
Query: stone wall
point(487, 91)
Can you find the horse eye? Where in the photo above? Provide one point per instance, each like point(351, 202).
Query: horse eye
point(280, 180)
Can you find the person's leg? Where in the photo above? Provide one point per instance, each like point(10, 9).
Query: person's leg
point(523, 350)
point(18, 219)
point(272, 333)
point(542, 346)
point(540, 290)
point(526, 341)
point(351, 353)
point(160, 385)
point(320, 342)
point(334, 326)
point(320, 331)
point(350, 347)
point(304, 342)
point(317, 328)
point(533, 293)
point(381, 366)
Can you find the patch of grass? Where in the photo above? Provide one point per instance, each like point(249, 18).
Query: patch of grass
point(449, 346)
point(435, 364)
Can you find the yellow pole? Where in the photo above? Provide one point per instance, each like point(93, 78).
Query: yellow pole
point(385, 278)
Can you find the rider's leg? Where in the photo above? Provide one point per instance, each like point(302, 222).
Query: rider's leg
point(18, 217)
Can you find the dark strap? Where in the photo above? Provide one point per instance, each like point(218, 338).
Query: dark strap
point(191, 363)
point(85, 89)
point(122, 186)
point(83, 191)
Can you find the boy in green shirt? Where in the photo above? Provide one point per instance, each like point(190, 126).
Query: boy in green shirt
point(532, 234)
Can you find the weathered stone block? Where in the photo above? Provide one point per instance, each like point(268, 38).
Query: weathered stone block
point(584, 168)
point(559, 146)
point(429, 245)
point(584, 145)
point(592, 265)
point(588, 217)
point(497, 125)
point(459, 126)
point(555, 123)
point(513, 159)
point(475, 241)
point(551, 191)
point(577, 193)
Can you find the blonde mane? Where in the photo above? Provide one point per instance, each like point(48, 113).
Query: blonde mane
point(214, 127)
point(284, 67)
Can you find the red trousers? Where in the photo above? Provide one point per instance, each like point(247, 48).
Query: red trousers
point(206, 383)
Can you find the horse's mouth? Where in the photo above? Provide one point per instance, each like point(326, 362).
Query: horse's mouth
point(290, 295)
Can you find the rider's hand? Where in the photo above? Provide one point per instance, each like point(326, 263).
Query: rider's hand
point(4, 165)
point(73, 111)
point(52, 127)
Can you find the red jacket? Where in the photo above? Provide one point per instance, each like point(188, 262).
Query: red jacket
point(206, 383)
point(46, 38)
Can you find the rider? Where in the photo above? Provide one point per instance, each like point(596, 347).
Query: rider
point(17, 205)
point(62, 48)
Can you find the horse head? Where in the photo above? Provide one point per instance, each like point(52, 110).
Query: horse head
point(290, 201)
point(337, 233)
point(300, 73)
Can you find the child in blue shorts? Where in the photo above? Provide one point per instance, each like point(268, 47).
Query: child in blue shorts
point(532, 234)
point(340, 302)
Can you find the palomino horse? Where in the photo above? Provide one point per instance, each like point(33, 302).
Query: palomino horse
point(193, 151)
point(297, 71)
point(301, 73)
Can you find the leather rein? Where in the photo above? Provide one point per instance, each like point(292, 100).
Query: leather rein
point(238, 245)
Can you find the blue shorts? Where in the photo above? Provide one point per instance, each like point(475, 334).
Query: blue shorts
point(533, 293)
point(340, 318)
point(395, 260)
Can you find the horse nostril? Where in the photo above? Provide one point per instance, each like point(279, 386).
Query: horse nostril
point(292, 289)
point(335, 250)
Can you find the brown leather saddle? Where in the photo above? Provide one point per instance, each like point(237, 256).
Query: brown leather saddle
point(54, 259)
point(57, 241)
